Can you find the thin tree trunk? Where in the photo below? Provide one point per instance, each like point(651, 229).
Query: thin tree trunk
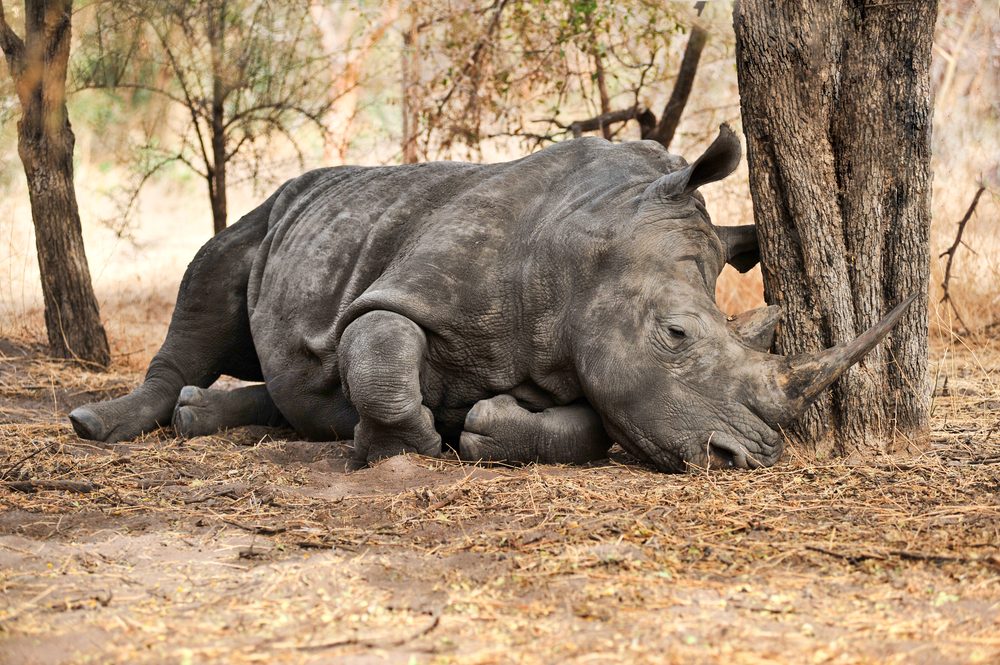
point(411, 76)
point(45, 145)
point(836, 108)
point(602, 90)
point(672, 112)
point(217, 193)
point(600, 77)
point(217, 174)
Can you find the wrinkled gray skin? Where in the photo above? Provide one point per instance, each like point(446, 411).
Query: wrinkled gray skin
point(535, 310)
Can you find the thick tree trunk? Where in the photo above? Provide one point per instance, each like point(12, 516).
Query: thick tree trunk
point(45, 145)
point(72, 318)
point(836, 108)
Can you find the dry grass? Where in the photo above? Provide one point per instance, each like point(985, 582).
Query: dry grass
point(246, 547)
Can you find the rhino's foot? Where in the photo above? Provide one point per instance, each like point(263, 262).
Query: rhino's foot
point(501, 430)
point(89, 423)
point(374, 441)
point(198, 411)
point(141, 411)
point(203, 411)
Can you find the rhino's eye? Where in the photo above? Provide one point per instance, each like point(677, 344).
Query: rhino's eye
point(676, 332)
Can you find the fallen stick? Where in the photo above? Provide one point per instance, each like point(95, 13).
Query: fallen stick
point(853, 558)
point(252, 528)
point(32, 486)
point(153, 483)
point(81, 602)
point(9, 471)
point(229, 490)
point(941, 558)
point(374, 644)
point(909, 556)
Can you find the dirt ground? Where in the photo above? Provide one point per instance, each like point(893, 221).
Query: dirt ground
point(255, 547)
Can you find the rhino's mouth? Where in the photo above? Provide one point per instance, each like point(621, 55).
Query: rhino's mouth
point(747, 443)
point(726, 447)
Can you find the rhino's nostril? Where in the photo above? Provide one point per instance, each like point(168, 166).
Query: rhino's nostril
point(725, 452)
point(719, 458)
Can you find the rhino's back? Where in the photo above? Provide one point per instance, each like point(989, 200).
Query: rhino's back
point(333, 231)
point(471, 252)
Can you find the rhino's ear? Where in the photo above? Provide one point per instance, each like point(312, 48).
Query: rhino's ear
point(740, 245)
point(721, 159)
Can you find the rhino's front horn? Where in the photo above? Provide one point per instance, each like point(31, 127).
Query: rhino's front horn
point(808, 374)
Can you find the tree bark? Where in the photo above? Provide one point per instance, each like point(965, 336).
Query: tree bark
point(45, 145)
point(836, 106)
point(672, 112)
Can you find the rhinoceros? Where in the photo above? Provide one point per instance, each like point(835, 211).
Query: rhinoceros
point(533, 310)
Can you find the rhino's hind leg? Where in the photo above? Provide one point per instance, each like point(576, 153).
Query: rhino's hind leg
point(202, 411)
point(381, 356)
point(209, 335)
point(501, 430)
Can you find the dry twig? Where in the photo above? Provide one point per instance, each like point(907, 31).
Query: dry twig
point(950, 253)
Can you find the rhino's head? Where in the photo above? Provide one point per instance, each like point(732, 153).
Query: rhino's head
point(675, 381)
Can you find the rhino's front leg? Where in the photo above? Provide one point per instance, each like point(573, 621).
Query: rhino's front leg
point(381, 355)
point(501, 430)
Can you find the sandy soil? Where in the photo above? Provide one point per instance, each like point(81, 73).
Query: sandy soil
point(252, 546)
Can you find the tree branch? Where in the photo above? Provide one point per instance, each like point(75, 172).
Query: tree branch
point(192, 107)
point(132, 86)
point(477, 52)
point(12, 46)
point(578, 127)
point(667, 126)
